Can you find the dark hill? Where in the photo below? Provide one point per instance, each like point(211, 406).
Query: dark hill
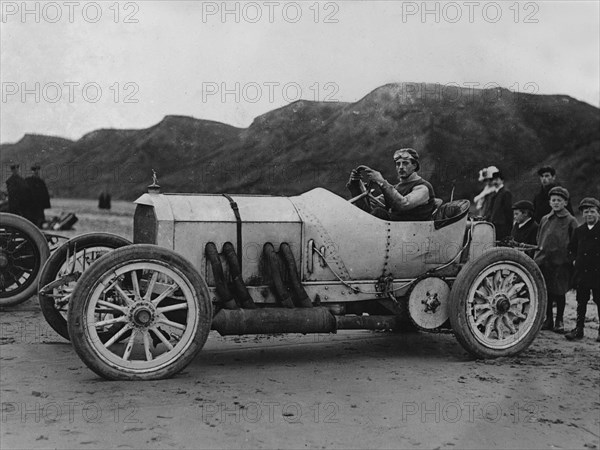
point(457, 131)
point(33, 148)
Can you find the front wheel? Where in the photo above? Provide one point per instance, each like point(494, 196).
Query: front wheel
point(141, 312)
point(498, 303)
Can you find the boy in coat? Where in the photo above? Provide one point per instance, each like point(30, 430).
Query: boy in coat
point(585, 248)
point(552, 257)
point(525, 227)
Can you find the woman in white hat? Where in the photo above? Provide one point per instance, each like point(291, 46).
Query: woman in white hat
point(483, 200)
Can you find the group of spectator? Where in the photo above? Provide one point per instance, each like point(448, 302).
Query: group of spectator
point(568, 254)
point(28, 197)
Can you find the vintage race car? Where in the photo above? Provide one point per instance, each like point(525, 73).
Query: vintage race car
point(312, 263)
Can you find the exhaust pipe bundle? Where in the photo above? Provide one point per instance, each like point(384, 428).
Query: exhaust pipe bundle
point(279, 265)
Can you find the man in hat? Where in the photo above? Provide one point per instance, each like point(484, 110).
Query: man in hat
point(541, 201)
point(500, 212)
point(585, 248)
point(40, 199)
point(412, 199)
point(525, 228)
point(552, 257)
point(19, 196)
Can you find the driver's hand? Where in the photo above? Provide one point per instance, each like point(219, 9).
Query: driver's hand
point(354, 175)
point(374, 176)
point(354, 178)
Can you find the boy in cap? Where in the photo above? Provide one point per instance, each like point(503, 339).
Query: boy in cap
point(554, 235)
point(525, 228)
point(585, 248)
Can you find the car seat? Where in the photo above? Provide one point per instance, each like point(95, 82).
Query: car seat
point(450, 212)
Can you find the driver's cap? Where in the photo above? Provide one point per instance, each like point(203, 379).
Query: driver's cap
point(407, 153)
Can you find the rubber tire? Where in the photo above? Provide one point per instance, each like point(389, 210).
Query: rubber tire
point(43, 251)
point(459, 294)
point(50, 272)
point(114, 260)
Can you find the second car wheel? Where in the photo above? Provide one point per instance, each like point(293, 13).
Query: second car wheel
point(64, 268)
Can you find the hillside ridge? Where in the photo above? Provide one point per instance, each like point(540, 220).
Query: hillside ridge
point(306, 144)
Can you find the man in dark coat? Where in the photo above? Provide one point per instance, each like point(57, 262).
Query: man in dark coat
point(525, 228)
point(40, 199)
point(541, 201)
point(585, 248)
point(501, 214)
point(19, 196)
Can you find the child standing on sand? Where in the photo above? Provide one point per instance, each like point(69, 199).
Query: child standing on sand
point(552, 257)
point(585, 248)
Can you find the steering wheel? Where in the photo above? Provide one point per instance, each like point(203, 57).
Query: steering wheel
point(366, 191)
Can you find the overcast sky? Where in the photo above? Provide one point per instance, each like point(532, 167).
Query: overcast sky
point(67, 69)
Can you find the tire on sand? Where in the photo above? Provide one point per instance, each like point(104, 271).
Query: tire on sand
point(23, 252)
point(153, 303)
point(88, 248)
point(498, 303)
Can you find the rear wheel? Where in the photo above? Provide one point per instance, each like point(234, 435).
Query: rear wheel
point(498, 303)
point(140, 312)
point(23, 251)
point(64, 268)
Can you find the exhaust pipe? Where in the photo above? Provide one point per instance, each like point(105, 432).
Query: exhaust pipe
point(298, 320)
point(274, 269)
point(212, 255)
point(241, 292)
point(274, 320)
point(301, 299)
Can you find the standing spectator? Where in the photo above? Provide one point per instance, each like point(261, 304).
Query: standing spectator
point(484, 199)
point(40, 199)
point(525, 228)
point(552, 256)
point(104, 200)
point(19, 197)
point(541, 201)
point(500, 213)
point(585, 248)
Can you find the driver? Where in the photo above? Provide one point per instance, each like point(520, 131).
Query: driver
point(410, 200)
